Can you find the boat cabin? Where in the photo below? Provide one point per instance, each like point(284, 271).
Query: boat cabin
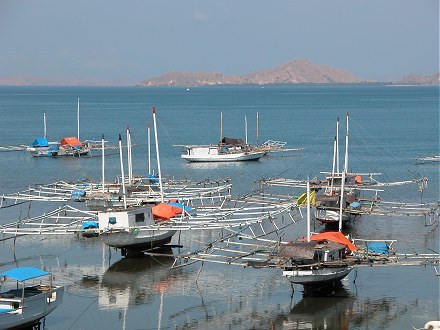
point(202, 151)
point(126, 218)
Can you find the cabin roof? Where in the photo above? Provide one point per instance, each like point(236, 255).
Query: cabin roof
point(24, 273)
point(334, 198)
point(71, 141)
point(297, 250)
point(40, 142)
point(232, 141)
point(334, 236)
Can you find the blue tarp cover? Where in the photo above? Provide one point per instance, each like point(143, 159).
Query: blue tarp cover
point(40, 142)
point(180, 206)
point(89, 225)
point(378, 247)
point(153, 178)
point(355, 205)
point(24, 273)
point(5, 310)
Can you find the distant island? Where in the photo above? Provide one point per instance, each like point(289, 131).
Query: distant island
point(295, 72)
point(298, 71)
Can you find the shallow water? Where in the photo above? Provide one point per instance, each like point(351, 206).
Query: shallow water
point(389, 126)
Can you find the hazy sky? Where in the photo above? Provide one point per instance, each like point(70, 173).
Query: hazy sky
point(132, 40)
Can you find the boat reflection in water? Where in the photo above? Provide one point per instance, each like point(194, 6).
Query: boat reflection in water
point(320, 312)
point(134, 281)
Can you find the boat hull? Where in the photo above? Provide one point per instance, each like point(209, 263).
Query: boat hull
point(36, 307)
point(317, 277)
point(137, 239)
point(43, 152)
point(233, 157)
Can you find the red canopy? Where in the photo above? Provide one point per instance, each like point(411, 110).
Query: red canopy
point(71, 141)
point(334, 236)
point(165, 211)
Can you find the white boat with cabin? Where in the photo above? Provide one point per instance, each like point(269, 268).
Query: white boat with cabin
point(127, 229)
point(220, 153)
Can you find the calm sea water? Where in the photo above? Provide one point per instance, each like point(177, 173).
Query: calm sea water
point(389, 126)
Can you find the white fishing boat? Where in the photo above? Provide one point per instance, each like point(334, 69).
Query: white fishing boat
point(24, 306)
point(220, 153)
point(128, 229)
point(227, 150)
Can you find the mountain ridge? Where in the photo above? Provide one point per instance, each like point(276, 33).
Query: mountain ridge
point(297, 71)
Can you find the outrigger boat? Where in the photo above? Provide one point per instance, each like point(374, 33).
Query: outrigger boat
point(42, 148)
point(129, 226)
point(25, 306)
point(308, 265)
point(318, 260)
point(345, 195)
point(72, 147)
point(428, 159)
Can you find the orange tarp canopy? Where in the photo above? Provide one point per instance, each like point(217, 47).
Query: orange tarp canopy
point(71, 141)
point(334, 236)
point(165, 211)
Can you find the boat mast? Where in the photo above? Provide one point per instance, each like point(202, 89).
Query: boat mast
point(44, 124)
point(245, 129)
point(122, 172)
point(308, 210)
point(77, 119)
point(103, 163)
point(157, 155)
point(130, 166)
point(344, 172)
point(346, 145)
point(221, 127)
point(257, 128)
point(149, 148)
point(337, 145)
point(333, 166)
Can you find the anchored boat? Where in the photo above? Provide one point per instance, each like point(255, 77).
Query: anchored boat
point(24, 305)
point(221, 153)
point(319, 262)
point(127, 228)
